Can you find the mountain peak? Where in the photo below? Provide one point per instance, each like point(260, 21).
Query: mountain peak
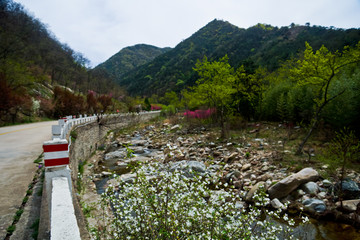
point(131, 57)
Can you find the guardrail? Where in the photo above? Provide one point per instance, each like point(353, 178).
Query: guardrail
point(58, 184)
point(63, 223)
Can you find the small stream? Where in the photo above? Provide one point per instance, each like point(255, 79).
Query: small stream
point(317, 229)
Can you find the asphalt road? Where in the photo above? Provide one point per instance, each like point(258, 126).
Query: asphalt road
point(19, 146)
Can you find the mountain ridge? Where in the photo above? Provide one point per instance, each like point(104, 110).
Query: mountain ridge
point(260, 45)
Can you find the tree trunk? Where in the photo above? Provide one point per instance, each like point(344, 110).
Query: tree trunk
point(301, 146)
point(224, 134)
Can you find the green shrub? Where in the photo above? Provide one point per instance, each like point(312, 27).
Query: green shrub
point(18, 214)
point(35, 227)
point(168, 110)
point(73, 135)
point(11, 229)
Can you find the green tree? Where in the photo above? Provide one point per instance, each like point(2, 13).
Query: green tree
point(249, 88)
point(214, 88)
point(171, 98)
point(147, 104)
point(344, 149)
point(319, 70)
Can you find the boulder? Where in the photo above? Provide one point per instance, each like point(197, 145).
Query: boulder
point(350, 190)
point(314, 205)
point(292, 182)
point(188, 167)
point(349, 205)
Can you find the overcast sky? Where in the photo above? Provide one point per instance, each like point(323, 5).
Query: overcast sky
point(100, 28)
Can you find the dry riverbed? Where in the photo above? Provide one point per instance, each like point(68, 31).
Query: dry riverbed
point(250, 158)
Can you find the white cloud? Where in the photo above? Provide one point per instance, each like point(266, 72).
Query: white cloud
point(100, 28)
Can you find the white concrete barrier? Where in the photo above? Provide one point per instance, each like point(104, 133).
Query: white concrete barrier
point(56, 131)
point(63, 221)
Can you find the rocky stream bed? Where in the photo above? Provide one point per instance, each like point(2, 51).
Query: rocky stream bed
point(246, 165)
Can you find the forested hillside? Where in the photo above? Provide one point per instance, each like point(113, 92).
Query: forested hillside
point(129, 58)
point(301, 74)
point(258, 46)
point(33, 62)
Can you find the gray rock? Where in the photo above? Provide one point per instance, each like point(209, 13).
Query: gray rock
point(121, 168)
point(314, 205)
point(231, 157)
point(233, 176)
point(246, 167)
point(350, 190)
point(265, 168)
point(299, 193)
point(217, 153)
point(116, 154)
point(310, 188)
point(197, 166)
point(238, 184)
point(253, 190)
point(322, 195)
point(292, 182)
point(128, 178)
point(327, 183)
point(187, 166)
point(106, 174)
point(175, 127)
point(275, 203)
point(236, 173)
point(264, 177)
point(349, 205)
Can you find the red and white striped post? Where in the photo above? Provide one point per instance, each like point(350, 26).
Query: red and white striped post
point(56, 152)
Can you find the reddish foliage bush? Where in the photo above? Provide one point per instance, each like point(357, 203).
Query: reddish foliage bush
point(13, 102)
point(46, 107)
point(105, 102)
point(67, 103)
point(155, 107)
point(200, 114)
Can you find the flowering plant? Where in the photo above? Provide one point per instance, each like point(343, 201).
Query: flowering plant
point(163, 204)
